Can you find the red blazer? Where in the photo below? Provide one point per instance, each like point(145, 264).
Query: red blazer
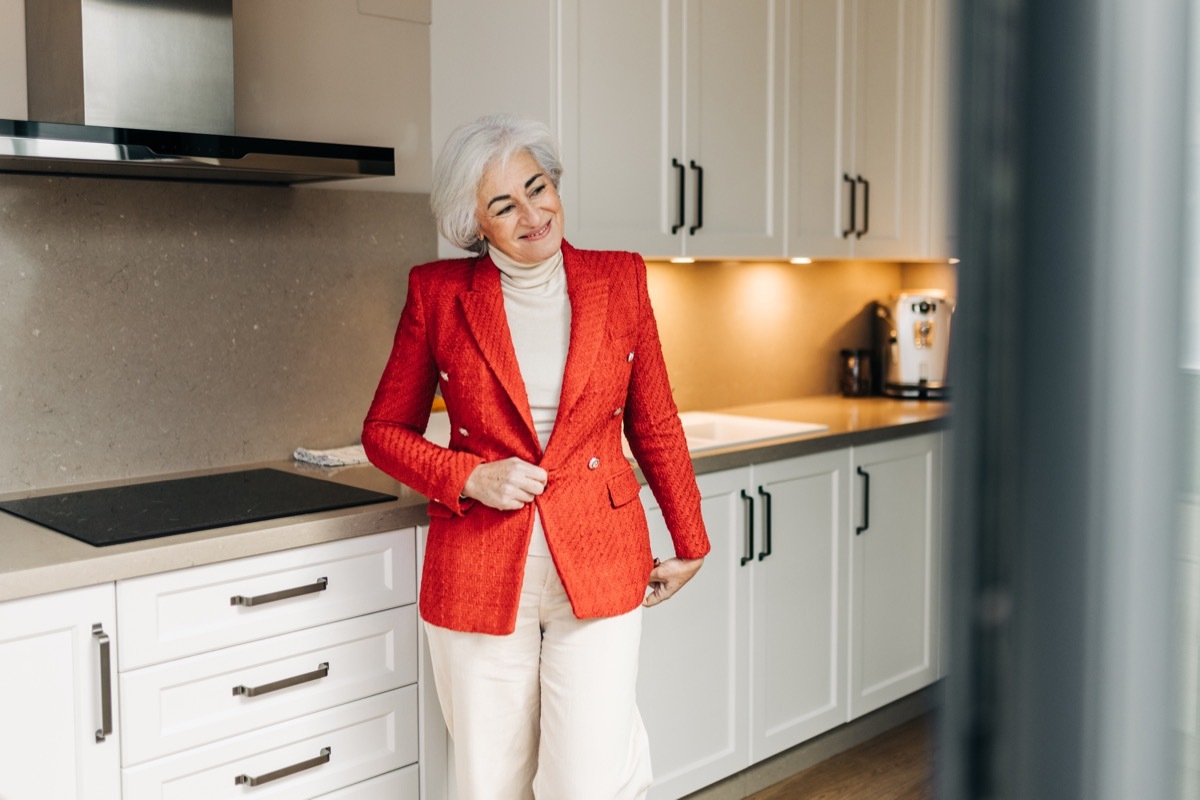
point(453, 332)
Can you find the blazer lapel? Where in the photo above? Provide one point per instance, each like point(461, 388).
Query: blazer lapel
point(483, 307)
point(587, 289)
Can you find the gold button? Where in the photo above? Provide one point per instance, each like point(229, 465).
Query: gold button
point(462, 431)
point(594, 463)
point(445, 377)
point(630, 356)
point(617, 412)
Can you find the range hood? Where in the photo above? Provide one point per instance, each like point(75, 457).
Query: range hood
point(144, 89)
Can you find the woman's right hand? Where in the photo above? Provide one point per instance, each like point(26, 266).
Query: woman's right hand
point(506, 485)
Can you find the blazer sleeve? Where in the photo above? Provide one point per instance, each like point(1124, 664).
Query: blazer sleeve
point(655, 433)
point(393, 431)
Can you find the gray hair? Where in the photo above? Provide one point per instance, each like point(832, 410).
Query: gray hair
point(467, 154)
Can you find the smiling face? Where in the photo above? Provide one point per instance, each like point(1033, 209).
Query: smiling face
point(518, 210)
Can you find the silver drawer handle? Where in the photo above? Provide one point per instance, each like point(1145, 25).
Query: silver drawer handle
point(284, 594)
point(105, 682)
point(259, 780)
point(253, 691)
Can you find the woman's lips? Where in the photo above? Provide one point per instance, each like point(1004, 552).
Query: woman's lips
point(539, 233)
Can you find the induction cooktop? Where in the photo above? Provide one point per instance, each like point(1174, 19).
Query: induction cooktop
point(137, 511)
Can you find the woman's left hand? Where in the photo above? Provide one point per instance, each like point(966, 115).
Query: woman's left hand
point(668, 576)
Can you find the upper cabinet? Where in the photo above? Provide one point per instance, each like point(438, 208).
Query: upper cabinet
point(943, 222)
point(723, 128)
point(672, 126)
point(859, 94)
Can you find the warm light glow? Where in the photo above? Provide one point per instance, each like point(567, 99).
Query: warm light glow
point(801, 260)
point(683, 260)
point(952, 261)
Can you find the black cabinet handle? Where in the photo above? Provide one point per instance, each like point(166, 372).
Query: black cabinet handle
point(699, 198)
point(853, 205)
point(866, 502)
point(766, 496)
point(749, 556)
point(866, 206)
point(675, 162)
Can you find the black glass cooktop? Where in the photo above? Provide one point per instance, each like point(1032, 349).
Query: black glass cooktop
point(161, 508)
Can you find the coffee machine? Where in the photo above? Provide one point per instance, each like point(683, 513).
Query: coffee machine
point(913, 339)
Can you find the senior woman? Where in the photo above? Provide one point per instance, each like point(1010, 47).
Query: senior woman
point(538, 560)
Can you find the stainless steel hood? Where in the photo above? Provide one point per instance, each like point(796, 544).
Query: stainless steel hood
point(144, 89)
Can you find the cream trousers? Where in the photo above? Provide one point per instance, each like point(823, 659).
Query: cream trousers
point(548, 711)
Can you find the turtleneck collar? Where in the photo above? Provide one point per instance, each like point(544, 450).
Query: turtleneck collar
point(526, 276)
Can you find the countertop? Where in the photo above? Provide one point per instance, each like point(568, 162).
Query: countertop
point(36, 560)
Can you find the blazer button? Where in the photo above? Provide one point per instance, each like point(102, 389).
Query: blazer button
point(629, 357)
point(617, 412)
point(594, 463)
point(445, 377)
point(462, 431)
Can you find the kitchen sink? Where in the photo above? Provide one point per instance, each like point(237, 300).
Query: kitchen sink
point(706, 430)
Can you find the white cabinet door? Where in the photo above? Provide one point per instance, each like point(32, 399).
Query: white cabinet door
point(734, 132)
point(53, 683)
point(891, 125)
point(894, 566)
point(859, 85)
point(622, 126)
point(473, 44)
point(693, 675)
point(820, 119)
point(943, 217)
point(798, 628)
point(673, 127)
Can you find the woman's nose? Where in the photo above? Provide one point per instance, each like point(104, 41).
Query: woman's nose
point(526, 213)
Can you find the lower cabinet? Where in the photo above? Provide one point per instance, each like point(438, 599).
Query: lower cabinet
point(797, 623)
point(60, 734)
point(291, 674)
point(895, 566)
point(745, 662)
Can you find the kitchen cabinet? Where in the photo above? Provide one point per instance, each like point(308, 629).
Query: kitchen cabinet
point(645, 98)
point(797, 623)
point(461, 31)
point(297, 668)
point(672, 126)
point(747, 661)
point(943, 216)
point(895, 561)
point(61, 734)
point(694, 668)
point(859, 130)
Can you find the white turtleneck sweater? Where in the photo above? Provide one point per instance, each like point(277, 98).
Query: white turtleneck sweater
point(539, 321)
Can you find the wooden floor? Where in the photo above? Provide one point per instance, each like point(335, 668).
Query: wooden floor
point(897, 765)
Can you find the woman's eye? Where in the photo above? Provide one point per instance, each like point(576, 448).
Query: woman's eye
point(537, 190)
point(504, 210)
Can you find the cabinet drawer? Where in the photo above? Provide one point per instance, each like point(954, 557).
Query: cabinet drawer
point(167, 708)
point(328, 750)
point(399, 785)
point(188, 611)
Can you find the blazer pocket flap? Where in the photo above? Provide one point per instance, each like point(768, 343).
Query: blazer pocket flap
point(623, 488)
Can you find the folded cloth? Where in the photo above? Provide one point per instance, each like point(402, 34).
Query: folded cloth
point(337, 457)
